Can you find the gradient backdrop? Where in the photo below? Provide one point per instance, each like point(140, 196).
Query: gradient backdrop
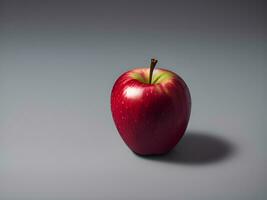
point(58, 63)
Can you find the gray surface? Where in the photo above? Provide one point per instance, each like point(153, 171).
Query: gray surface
point(58, 62)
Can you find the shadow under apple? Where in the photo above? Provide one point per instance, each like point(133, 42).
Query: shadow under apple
point(197, 148)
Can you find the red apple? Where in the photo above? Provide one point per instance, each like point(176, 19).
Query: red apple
point(151, 109)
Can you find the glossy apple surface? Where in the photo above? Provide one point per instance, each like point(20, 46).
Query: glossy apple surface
point(151, 117)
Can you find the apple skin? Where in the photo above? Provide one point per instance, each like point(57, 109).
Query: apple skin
point(150, 118)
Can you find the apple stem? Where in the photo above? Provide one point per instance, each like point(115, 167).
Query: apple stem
point(152, 67)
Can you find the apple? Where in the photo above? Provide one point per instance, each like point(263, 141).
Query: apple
point(151, 109)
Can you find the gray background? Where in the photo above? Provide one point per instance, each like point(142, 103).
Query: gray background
point(58, 63)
